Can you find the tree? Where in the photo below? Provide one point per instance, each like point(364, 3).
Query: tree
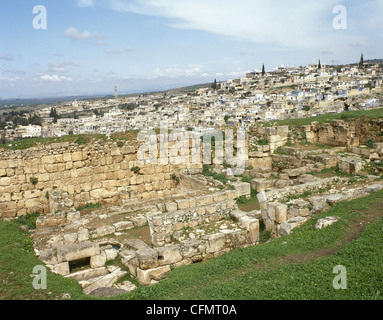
point(263, 70)
point(226, 118)
point(319, 65)
point(361, 63)
point(214, 85)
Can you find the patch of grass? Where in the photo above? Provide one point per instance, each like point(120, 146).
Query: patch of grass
point(216, 176)
point(262, 142)
point(28, 220)
point(89, 206)
point(326, 118)
point(17, 261)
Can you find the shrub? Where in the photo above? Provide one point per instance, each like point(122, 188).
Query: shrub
point(28, 220)
point(176, 178)
point(89, 206)
point(242, 200)
point(136, 170)
point(34, 180)
point(262, 142)
point(370, 143)
point(81, 140)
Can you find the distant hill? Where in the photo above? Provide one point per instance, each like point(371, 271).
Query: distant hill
point(377, 61)
point(40, 101)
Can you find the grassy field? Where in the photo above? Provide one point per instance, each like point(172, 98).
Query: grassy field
point(326, 118)
point(79, 139)
point(299, 266)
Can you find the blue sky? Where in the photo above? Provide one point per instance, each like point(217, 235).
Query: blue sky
point(142, 45)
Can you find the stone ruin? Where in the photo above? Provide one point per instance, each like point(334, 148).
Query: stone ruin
point(175, 231)
point(198, 218)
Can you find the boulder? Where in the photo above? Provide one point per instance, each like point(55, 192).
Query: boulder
point(169, 254)
point(77, 251)
point(147, 258)
point(289, 225)
point(325, 222)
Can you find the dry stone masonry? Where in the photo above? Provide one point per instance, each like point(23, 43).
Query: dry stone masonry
point(181, 216)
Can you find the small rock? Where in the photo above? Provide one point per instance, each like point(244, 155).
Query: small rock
point(325, 222)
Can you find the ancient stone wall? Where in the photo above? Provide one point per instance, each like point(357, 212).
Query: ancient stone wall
point(99, 172)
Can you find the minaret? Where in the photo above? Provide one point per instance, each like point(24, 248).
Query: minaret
point(116, 92)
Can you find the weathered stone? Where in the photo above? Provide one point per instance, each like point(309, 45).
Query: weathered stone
point(146, 276)
point(88, 274)
point(48, 256)
point(139, 221)
point(147, 258)
point(62, 268)
point(325, 222)
point(243, 188)
point(216, 242)
point(123, 225)
point(98, 261)
point(105, 230)
point(77, 251)
point(129, 259)
point(289, 225)
point(169, 254)
point(104, 281)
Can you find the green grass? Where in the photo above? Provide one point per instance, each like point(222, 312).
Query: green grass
point(17, 261)
point(28, 220)
point(326, 118)
point(260, 272)
point(81, 139)
point(89, 206)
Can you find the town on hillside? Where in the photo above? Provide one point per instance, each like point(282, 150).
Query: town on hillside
point(286, 93)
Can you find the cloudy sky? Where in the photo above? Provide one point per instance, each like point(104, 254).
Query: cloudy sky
point(143, 45)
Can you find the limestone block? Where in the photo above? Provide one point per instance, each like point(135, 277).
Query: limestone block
point(146, 276)
point(183, 204)
point(299, 212)
point(105, 230)
point(77, 156)
point(204, 200)
point(98, 261)
point(147, 258)
point(83, 235)
point(70, 238)
point(62, 268)
point(289, 225)
point(243, 188)
point(88, 274)
point(216, 242)
point(261, 184)
point(123, 225)
point(48, 256)
point(169, 254)
point(171, 207)
point(129, 259)
point(77, 251)
point(139, 221)
point(103, 281)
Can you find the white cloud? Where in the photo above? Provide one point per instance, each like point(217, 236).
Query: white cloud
point(125, 50)
point(85, 3)
point(6, 57)
point(74, 34)
point(55, 78)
